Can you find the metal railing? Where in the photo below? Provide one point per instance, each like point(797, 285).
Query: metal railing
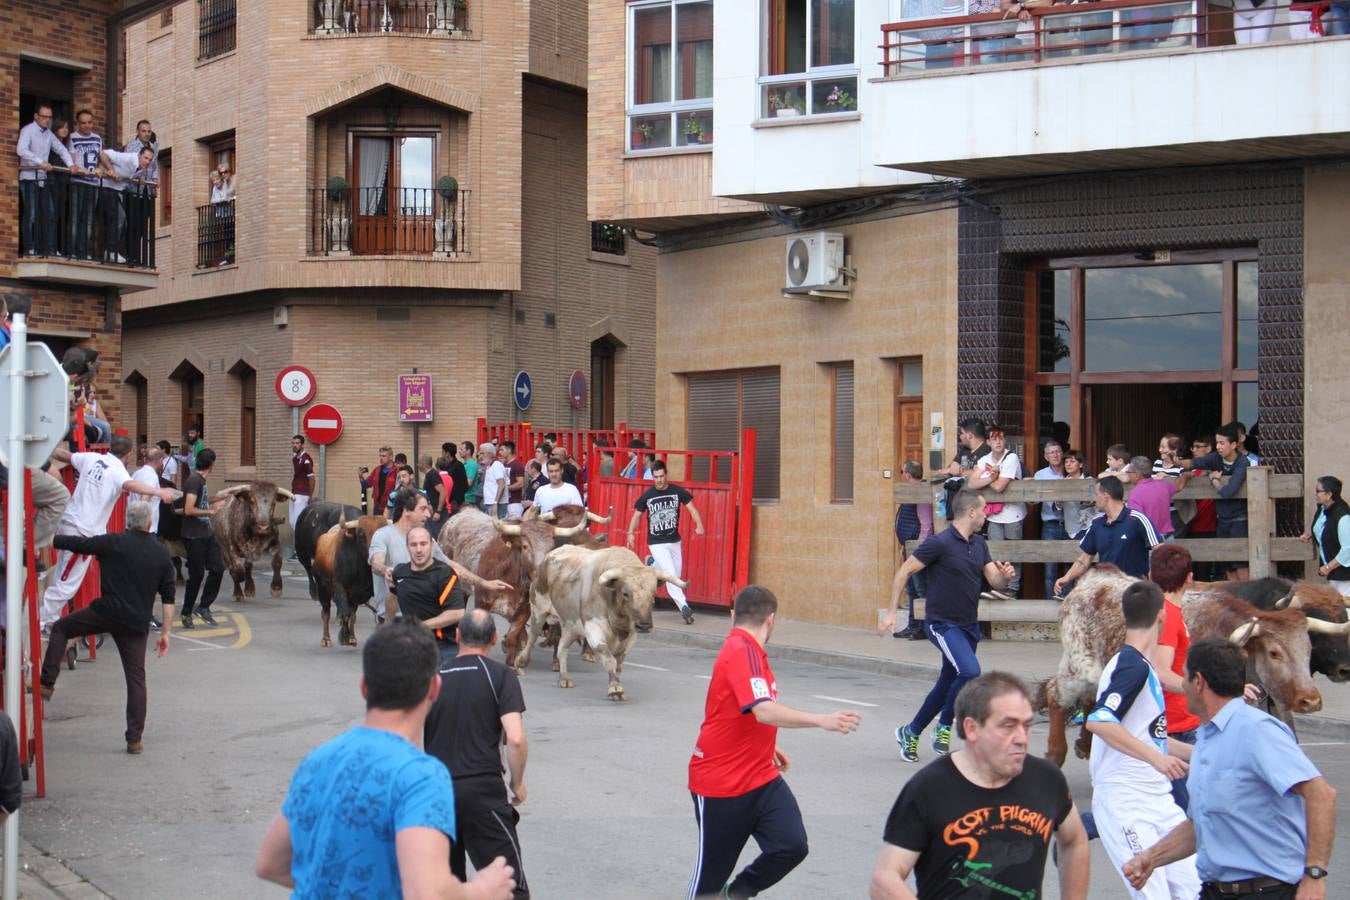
point(1104, 30)
point(385, 222)
point(215, 234)
point(87, 219)
point(607, 237)
point(215, 27)
point(390, 16)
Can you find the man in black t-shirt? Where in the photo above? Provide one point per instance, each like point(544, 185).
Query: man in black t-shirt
point(977, 824)
point(203, 553)
point(430, 592)
point(662, 503)
point(480, 707)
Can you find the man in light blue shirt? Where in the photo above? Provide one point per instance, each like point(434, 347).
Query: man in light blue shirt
point(34, 149)
point(1262, 818)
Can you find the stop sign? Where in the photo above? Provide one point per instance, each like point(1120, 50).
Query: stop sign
point(322, 423)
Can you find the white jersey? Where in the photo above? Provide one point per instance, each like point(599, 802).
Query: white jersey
point(101, 478)
point(548, 497)
point(495, 473)
point(147, 476)
point(1130, 694)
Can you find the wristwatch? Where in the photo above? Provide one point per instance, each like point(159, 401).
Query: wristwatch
point(1315, 872)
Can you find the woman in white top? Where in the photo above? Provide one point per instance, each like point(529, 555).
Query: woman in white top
point(996, 470)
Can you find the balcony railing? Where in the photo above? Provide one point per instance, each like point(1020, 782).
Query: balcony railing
point(390, 16)
point(86, 220)
point(1102, 30)
point(607, 237)
point(215, 234)
point(384, 222)
point(215, 27)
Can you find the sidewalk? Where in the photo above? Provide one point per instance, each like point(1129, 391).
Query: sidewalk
point(43, 877)
point(866, 651)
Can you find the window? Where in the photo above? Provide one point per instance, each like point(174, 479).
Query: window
point(192, 386)
point(215, 220)
point(248, 414)
point(808, 59)
point(166, 17)
point(165, 187)
point(841, 434)
point(608, 238)
point(670, 81)
point(721, 405)
point(215, 28)
point(139, 393)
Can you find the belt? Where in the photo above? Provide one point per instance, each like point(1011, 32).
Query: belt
point(1246, 886)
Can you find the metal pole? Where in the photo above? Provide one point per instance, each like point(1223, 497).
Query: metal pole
point(15, 570)
point(323, 471)
point(416, 457)
point(295, 420)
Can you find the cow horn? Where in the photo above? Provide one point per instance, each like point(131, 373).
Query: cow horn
point(342, 519)
point(231, 491)
point(609, 576)
point(1288, 601)
point(506, 530)
point(575, 530)
point(598, 519)
point(1245, 632)
point(285, 494)
point(549, 516)
point(671, 579)
point(1321, 626)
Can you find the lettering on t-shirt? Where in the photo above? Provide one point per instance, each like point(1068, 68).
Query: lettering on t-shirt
point(968, 830)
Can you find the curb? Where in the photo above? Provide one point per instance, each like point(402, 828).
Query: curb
point(1321, 728)
point(48, 877)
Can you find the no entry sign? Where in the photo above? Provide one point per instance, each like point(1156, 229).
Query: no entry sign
point(295, 385)
point(322, 423)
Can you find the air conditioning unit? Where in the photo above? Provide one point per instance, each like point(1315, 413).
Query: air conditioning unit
point(815, 262)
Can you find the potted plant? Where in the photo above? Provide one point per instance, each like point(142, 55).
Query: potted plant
point(447, 186)
point(786, 103)
point(330, 12)
point(840, 100)
point(642, 133)
point(339, 222)
point(693, 131)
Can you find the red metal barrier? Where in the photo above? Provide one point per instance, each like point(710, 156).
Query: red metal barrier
point(580, 442)
point(32, 753)
point(717, 562)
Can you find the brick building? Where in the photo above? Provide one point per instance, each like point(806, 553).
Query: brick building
point(408, 190)
point(872, 226)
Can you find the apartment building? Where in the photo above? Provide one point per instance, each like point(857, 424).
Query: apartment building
point(398, 186)
point(878, 218)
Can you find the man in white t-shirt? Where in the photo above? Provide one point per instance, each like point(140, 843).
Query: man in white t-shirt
point(1133, 761)
point(557, 492)
point(102, 479)
point(149, 474)
point(996, 470)
point(494, 481)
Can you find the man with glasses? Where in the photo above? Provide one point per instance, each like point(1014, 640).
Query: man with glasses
point(36, 144)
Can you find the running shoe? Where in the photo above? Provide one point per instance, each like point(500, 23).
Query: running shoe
point(942, 740)
point(155, 623)
point(909, 743)
point(1078, 717)
point(186, 621)
point(205, 616)
point(687, 614)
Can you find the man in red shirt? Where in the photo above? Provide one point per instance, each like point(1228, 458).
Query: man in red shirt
point(302, 479)
point(735, 774)
point(1169, 568)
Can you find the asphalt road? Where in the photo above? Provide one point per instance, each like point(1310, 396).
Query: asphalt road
point(232, 712)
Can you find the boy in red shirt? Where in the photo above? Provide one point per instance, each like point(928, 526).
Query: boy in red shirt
point(735, 774)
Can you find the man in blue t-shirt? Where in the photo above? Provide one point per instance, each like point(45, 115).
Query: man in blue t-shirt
point(957, 563)
point(369, 813)
point(1118, 535)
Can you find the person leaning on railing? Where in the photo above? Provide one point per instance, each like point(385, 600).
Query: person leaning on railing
point(36, 144)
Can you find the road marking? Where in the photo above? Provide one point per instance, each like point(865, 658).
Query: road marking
point(641, 666)
point(204, 644)
point(704, 677)
point(845, 700)
point(200, 633)
point(241, 631)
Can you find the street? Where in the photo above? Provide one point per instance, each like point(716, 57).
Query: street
point(234, 709)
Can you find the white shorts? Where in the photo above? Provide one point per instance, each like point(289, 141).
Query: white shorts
point(1129, 822)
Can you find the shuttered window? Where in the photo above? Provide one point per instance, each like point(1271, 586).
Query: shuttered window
point(720, 406)
point(841, 435)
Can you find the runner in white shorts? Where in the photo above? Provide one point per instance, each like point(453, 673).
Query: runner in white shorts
point(662, 503)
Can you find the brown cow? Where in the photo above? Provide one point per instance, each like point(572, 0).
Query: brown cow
point(1092, 630)
point(247, 527)
point(342, 573)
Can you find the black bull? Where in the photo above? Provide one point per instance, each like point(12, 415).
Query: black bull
point(336, 563)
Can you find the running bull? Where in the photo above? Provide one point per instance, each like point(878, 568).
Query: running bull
point(247, 527)
point(342, 573)
point(604, 596)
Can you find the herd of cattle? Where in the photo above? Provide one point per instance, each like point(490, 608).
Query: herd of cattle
point(567, 578)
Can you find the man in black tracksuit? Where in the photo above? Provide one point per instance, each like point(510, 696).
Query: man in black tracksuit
point(480, 703)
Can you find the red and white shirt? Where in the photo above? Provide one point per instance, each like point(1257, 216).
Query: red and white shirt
point(734, 753)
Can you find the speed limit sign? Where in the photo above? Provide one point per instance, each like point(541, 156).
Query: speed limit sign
point(295, 385)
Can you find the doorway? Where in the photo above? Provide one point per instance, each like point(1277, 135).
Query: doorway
point(603, 352)
point(395, 197)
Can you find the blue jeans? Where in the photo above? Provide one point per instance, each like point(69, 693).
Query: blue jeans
point(38, 213)
point(1337, 19)
point(1179, 792)
point(916, 587)
point(959, 665)
point(83, 207)
point(1052, 530)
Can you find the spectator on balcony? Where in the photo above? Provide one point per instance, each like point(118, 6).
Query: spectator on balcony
point(1305, 19)
point(85, 146)
point(1337, 21)
point(222, 196)
point(228, 182)
point(145, 137)
point(1252, 20)
point(60, 188)
point(35, 147)
point(126, 222)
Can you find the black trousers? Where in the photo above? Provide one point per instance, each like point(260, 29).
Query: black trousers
point(1279, 892)
point(486, 822)
point(204, 562)
point(769, 814)
point(130, 646)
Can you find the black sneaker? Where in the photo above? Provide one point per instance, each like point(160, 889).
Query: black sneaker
point(919, 633)
point(905, 633)
point(687, 614)
point(205, 616)
point(155, 624)
point(186, 621)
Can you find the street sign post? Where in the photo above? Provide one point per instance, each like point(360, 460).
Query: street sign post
point(39, 413)
point(414, 398)
point(322, 424)
point(576, 389)
point(296, 385)
point(522, 391)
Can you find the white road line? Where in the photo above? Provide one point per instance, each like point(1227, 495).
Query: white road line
point(704, 677)
point(204, 645)
point(845, 700)
point(641, 666)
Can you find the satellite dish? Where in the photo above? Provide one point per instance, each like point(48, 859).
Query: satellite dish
point(799, 262)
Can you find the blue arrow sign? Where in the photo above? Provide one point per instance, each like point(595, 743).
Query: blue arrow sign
point(523, 390)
